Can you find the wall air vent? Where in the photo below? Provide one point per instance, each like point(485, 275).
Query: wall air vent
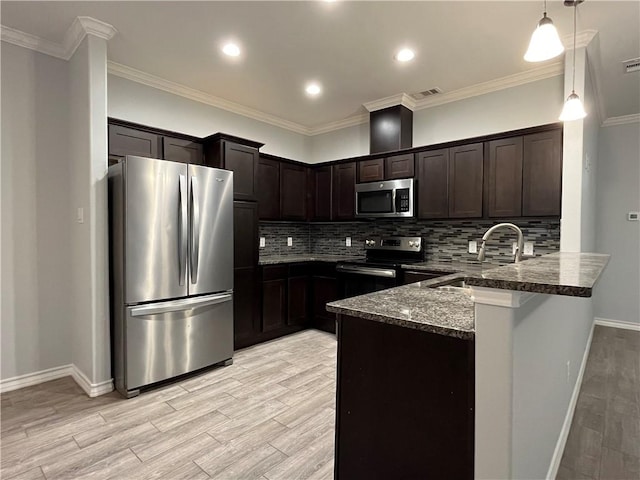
point(426, 93)
point(632, 65)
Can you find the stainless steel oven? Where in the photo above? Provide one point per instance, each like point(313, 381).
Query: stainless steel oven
point(390, 198)
point(382, 267)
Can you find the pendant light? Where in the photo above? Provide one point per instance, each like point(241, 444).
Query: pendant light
point(573, 109)
point(545, 42)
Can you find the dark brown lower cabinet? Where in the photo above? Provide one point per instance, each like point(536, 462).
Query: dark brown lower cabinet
point(325, 290)
point(394, 420)
point(246, 319)
point(298, 300)
point(274, 306)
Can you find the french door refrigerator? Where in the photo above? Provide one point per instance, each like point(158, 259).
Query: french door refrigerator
point(171, 230)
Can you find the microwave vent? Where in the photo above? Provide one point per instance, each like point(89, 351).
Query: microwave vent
point(632, 65)
point(426, 93)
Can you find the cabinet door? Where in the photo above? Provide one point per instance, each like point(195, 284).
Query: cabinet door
point(325, 290)
point(179, 150)
point(344, 191)
point(246, 322)
point(322, 188)
point(371, 170)
point(297, 294)
point(245, 234)
point(274, 304)
point(542, 174)
point(293, 192)
point(243, 161)
point(465, 181)
point(504, 182)
point(399, 166)
point(268, 192)
point(433, 185)
point(128, 141)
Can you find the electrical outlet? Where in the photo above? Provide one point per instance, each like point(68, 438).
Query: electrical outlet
point(263, 242)
point(633, 216)
point(473, 246)
point(347, 242)
point(80, 215)
point(568, 370)
point(289, 241)
point(528, 248)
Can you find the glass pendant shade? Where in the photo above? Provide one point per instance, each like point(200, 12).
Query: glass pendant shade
point(545, 42)
point(573, 109)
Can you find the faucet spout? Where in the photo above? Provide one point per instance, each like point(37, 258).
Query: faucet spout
point(520, 243)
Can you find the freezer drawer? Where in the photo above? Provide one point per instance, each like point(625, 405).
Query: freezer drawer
point(167, 339)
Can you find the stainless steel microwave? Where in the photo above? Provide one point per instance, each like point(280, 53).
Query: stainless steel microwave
point(390, 198)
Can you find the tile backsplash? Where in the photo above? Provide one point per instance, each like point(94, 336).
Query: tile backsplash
point(445, 240)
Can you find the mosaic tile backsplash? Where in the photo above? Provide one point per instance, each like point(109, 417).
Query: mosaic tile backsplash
point(445, 240)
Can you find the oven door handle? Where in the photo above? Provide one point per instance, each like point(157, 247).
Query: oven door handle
point(373, 272)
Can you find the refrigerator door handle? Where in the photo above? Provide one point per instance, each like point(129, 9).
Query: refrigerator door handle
point(180, 305)
point(182, 239)
point(195, 229)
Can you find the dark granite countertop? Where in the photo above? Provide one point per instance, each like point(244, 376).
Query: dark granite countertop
point(561, 273)
point(471, 266)
point(278, 259)
point(417, 306)
point(422, 307)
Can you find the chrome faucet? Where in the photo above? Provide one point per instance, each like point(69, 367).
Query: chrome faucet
point(518, 255)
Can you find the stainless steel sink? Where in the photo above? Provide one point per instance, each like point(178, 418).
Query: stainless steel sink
point(456, 285)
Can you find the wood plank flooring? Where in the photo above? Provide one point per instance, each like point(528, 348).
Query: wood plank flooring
point(270, 415)
point(604, 441)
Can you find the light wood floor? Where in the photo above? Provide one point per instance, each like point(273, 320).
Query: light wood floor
point(269, 415)
point(604, 441)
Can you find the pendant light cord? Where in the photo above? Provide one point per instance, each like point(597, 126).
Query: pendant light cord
point(545, 8)
point(575, 10)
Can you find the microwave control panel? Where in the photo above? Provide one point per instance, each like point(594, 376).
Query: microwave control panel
point(402, 200)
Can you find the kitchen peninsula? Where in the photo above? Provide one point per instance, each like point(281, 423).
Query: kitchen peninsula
point(460, 382)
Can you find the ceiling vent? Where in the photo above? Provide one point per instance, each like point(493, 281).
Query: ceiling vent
point(426, 93)
point(632, 65)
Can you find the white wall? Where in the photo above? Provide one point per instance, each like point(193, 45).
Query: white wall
point(35, 213)
point(591, 125)
point(528, 105)
point(142, 104)
point(618, 184)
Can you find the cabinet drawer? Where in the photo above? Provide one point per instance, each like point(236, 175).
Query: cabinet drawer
point(274, 272)
point(299, 270)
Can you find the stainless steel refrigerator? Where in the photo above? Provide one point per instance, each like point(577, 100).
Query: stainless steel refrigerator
point(171, 232)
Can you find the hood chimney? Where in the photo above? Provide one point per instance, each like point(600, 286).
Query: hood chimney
point(390, 124)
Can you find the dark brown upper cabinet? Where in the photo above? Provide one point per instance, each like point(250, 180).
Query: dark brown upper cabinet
point(180, 150)
point(399, 166)
point(322, 188)
point(245, 234)
point(238, 155)
point(503, 179)
point(542, 174)
point(293, 191)
point(129, 141)
point(390, 129)
point(344, 191)
point(433, 184)
point(371, 170)
point(465, 181)
point(268, 192)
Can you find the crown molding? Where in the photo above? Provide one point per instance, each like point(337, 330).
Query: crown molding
point(622, 120)
point(533, 75)
point(583, 39)
point(399, 99)
point(347, 122)
point(150, 80)
point(32, 42)
point(79, 28)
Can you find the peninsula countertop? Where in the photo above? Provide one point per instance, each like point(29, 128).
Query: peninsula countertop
point(421, 306)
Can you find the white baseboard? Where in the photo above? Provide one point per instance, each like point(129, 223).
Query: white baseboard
point(35, 378)
point(566, 426)
point(607, 322)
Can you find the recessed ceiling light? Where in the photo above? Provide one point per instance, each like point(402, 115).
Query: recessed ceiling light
point(405, 55)
point(314, 89)
point(231, 49)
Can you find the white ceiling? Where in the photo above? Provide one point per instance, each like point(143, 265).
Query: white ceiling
point(347, 46)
